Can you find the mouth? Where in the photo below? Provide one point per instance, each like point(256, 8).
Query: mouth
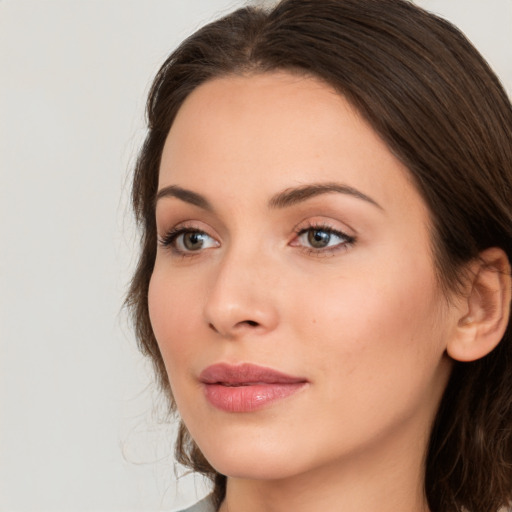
point(245, 375)
point(247, 387)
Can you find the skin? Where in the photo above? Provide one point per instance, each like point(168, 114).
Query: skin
point(363, 319)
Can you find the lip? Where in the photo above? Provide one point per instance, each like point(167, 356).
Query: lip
point(246, 387)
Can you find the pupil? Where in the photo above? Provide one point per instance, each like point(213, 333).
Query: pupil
point(193, 241)
point(318, 238)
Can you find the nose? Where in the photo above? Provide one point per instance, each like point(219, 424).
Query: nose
point(241, 299)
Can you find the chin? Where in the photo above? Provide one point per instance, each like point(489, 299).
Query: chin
point(258, 467)
point(253, 457)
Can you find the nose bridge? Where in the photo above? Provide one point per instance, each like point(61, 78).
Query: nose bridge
point(239, 297)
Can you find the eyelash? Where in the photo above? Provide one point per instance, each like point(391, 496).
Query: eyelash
point(169, 240)
point(348, 241)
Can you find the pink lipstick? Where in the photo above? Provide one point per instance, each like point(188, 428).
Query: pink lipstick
point(246, 387)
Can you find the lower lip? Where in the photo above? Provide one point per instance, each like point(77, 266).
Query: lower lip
point(248, 398)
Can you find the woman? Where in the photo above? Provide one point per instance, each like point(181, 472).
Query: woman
point(324, 286)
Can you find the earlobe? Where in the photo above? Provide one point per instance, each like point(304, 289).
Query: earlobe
point(483, 323)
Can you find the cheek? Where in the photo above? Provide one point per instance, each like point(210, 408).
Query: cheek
point(375, 321)
point(378, 349)
point(174, 315)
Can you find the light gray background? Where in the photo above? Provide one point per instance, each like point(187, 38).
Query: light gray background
point(78, 428)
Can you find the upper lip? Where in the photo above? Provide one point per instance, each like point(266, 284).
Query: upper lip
point(245, 374)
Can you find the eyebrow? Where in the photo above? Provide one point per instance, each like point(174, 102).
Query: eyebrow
point(185, 195)
point(283, 199)
point(295, 195)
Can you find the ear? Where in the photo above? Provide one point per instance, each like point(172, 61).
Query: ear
point(486, 308)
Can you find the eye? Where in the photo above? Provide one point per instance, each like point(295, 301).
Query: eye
point(318, 238)
point(187, 240)
point(322, 238)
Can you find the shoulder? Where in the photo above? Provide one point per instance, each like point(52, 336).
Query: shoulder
point(205, 505)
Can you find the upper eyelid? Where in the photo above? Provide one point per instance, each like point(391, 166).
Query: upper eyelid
point(304, 225)
point(186, 225)
point(346, 242)
point(321, 227)
point(180, 230)
point(328, 223)
point(337, 232)
point(169, 240)
point(303, 208)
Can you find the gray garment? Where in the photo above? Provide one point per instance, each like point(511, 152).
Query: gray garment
point(205, 505)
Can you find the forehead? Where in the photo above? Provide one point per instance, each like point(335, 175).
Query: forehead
point(263, 132)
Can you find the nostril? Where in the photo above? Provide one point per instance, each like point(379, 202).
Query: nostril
point(231, 330)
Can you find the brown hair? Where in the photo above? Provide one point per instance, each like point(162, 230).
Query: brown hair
point(442, 111)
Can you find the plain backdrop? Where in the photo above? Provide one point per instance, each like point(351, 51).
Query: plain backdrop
point(79, 428)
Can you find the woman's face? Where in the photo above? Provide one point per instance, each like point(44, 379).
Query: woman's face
point(294, 296)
